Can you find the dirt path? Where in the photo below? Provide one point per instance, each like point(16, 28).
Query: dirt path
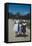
point(12, 34)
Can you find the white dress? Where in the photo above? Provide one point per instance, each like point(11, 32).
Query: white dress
point(16, 26)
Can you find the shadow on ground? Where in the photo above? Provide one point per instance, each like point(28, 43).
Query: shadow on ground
point(20, 35)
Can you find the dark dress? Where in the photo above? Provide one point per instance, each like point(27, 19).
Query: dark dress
point(23, 28)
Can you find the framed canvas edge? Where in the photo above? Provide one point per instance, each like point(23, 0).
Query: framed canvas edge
point(6, 23)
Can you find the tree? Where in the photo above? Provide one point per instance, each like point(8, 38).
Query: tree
point(18, 13)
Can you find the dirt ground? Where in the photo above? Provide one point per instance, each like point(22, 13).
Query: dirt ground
point(12, 36)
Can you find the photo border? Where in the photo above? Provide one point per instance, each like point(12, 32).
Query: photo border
point(6, 22)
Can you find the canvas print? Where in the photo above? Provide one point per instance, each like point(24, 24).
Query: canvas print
point(19, 22)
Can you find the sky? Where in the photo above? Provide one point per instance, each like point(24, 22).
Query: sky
point(22, 9)
point(31, 9)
